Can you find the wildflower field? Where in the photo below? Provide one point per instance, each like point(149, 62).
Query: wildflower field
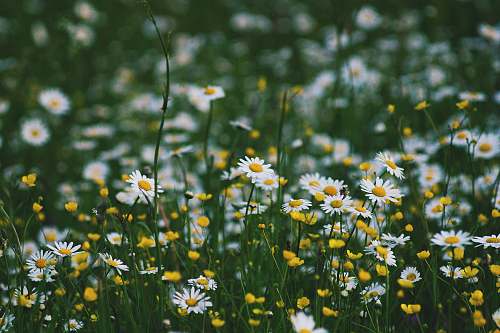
point(249, 166)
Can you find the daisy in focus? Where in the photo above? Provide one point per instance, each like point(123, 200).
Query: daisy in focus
point(64, 249)
point(142, 186)
point(385, 160)
point(336, 204)
point(451, 238)
point(381, 191)
point(296, 205)
point(254, 168)
point(115, 263)
point(303, 323)
point(192, 300)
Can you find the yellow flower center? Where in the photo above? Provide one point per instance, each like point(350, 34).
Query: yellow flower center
point(411, 277)
point(66, 252)
point(202, 281)
point(462, 135)
point(336, 203)
point(113, 263)
point(256, 167)
point(391, 164)
point(305, 330)
point(191, 301)
point(313, 183)
point(54, 103)
point(330, 190)
point(361, 209)
point(379, 191)
point(209, 91)
point(35, 133)
point(269, 181)
point(144, 185)
point(41, 263)
point(451, 240)
point(371, 294)
point(485, 147)
point(492, 240)
point(295, 203)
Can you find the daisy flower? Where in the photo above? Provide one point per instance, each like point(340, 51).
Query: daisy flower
point(487, 146)
point(64, 249)
point(38, 275)
point(203, 282)
point(451, 238)
point(212, 93)
point(336, 204)
point(115, 263)
point(149, 271)
point(192, 300)
point(410, 274)
point(381, 252)
point(393, 241)
point(54, 101)
point(254, 168)
point(381, 191)
point(346, 282)
point(40, 260)
point(450, 271)
point(142, 186)
point(303, 323)
point(310, 182)
point(372, 293)
point(296, 205)
point(488, 241)
point(385, 160)
point(34, 132)
point(6, 321)
point(359, 210)
point(268, 182)
point(73, 325)
point(330, 186)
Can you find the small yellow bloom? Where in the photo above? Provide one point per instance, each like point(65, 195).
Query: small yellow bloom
point(203, 221)
point(476, 298)
point(411, 308)
point(327, 312)
point(422, 106)
point(250, 298)
point(71, 206)
point(37, 208)
point(193, 255)
point(364, 276)
point(29, 180)
point(172, 276)
point(423, 254)
point(217, 322)
point(336, 243)
point(90, 294)
point(303, 302)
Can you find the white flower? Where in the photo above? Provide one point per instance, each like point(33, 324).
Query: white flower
point(115, 263)
point(149, 270)
point(410, 274)
point(488, 241)
point(212, 93)
point(381, 191)
point(268, 182)
point(192, 300)
point(473, 96)
point(496, 317)
point(34, 132)
point(95, 171)
point(41, 260)
point(6, 321)
point(114, 238)
point(37, 275)
point(449, 271)
point(303, 323)
point(372, 292)
point(336, 204)
point(64, 249)
point(142, 185)
point(451, 238)
point(385, 160)
point(329, 186)
point(368, 18)
point(487, 146)
point(254, 168)
point(310, 182)
point(393, 241)
point(358, 210)
point(73, 325)
point(54, 101)
point(296, 205)
point(203, 282)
